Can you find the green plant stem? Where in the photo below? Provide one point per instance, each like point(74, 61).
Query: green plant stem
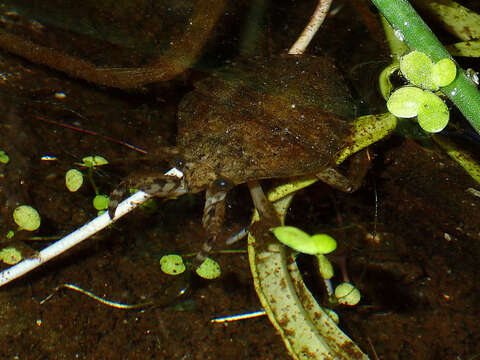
point(92, 182)
point(418, 36)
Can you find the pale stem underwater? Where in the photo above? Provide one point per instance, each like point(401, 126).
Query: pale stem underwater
point(76, 237)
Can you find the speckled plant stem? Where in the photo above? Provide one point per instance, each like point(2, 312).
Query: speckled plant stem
point(418, 36)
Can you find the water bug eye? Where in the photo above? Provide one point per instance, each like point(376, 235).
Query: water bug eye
point(222, 184)
point(179, 163)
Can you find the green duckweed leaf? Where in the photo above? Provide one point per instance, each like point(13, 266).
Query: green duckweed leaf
point(172, 264)
point(100, 202)
point(4, 158)
point(73, 180)
point(300, 241)
point(417, 68)
point(209, 269)
point(27, 218)
point(433, 114)
point(347, 294)
point(405, 101)
point(444, 72)
point(95, 160)
point(10, 255)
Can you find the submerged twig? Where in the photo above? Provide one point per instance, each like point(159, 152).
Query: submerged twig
point(231, 318)
point(312, 27)
point(72, 239)
point(76, 237)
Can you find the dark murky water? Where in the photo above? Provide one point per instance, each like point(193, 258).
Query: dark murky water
point(419, 283)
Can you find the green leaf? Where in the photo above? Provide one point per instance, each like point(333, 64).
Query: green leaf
point(405, 101)
point(300, 241)
point(433, 114)
point(209, 269)
point(91, 161)
point(417, 68)
point(172, 264)
point(325, 267)
point(27, 218)
point(100, 202)
point(4, 158)
point(347, 294)
point(444, 72)
point(10, 255)
point(73, 180)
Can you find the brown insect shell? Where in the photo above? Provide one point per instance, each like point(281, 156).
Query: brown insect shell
point(265, 118)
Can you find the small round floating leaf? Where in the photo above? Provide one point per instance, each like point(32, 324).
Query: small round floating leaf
point(95, 160)
point(209, 269)
point(100, 202)
point(172, 264)
point(417, 68)
point(404, 102)
point(300, 241)
point(325, 267)
point(444, 72)
point(10, 255)
point(290, 236)
point(73, 180)
point(325, 243)
point(347, 294)
point(4, 158)
point(27, 218)
point(433, 114)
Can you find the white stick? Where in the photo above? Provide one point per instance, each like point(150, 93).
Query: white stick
point(79, 235)
point(72, 239)
point(310, 30)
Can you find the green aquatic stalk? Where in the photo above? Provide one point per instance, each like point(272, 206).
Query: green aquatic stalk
point(418, 36)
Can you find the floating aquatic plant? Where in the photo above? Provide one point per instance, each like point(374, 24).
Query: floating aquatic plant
point(27, 218)
point(302, 242)
point(172, 264)
point(73, 180)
